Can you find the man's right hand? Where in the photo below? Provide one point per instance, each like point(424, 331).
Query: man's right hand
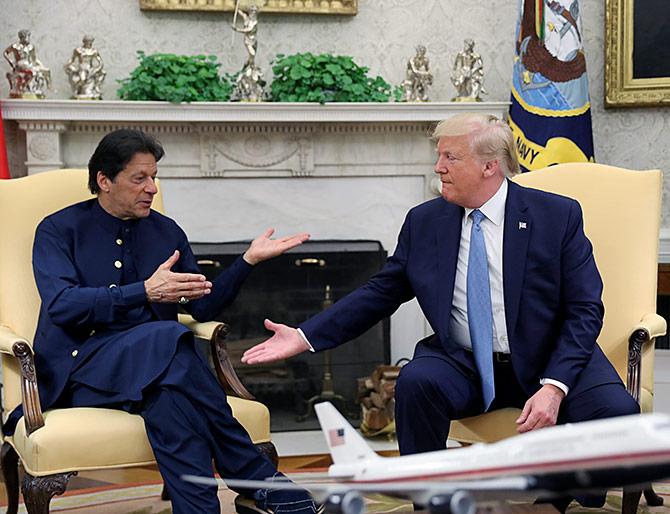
point(286, 342)
point(166, 286)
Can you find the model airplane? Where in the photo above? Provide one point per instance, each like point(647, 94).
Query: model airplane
point(588, 456)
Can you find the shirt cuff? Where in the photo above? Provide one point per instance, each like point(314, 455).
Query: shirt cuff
point(131, 295)
point(304, 338)
point(556, 383)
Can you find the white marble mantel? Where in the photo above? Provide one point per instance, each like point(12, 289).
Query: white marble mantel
point(222, 112)
point(288, 134)
point(337, 171)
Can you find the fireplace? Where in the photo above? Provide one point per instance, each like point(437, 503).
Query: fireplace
point(290, 289)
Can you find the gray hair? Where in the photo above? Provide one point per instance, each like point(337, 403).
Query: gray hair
point(490, 138)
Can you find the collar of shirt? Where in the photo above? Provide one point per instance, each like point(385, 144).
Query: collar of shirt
point(110, 223)
point(494, 207)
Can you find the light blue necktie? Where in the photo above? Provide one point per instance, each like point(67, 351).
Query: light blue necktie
point(480, 315)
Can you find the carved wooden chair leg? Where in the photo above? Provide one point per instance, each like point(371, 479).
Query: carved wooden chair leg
point(630, 501)
point(38, 491)
point(165, 496)
point(652, 499)
point(9, 460)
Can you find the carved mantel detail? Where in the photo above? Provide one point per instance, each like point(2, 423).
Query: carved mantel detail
point(238, 140)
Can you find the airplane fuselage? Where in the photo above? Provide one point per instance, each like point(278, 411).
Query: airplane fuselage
point(631, 449)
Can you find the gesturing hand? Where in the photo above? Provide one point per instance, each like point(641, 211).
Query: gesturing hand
point(541, 409)
point(166, 286)
point(263, 248)
point(286, 342)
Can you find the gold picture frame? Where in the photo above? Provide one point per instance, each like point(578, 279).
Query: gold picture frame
point(349, 7)
point(622, 88)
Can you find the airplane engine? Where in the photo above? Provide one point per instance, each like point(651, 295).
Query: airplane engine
point(461, 502)
point(351, 502)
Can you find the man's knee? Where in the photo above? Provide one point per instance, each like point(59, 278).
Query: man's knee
point(622, 405)
point(606, 401)
point(415, 381)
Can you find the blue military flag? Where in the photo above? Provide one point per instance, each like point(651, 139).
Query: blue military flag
point(550, 113)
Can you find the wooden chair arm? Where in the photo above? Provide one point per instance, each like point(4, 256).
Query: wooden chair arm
point(650, 327)
point(30, 398)
point(200, 330)
point(216, 333)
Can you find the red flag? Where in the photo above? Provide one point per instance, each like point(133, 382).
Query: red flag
point(4, 166)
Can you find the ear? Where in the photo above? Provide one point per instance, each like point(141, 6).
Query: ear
point(103, 182)
point(491, 168)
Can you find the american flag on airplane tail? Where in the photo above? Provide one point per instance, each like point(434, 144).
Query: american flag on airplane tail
point(336, 436)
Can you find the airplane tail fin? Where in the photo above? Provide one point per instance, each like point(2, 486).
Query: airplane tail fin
point(346, 445)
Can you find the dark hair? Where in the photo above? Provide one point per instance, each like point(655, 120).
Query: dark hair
point(116, 150)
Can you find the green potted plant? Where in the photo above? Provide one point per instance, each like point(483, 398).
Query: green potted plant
point(176, 78)
point(325, 78)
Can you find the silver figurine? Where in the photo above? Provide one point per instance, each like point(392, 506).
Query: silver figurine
point(29, 78)
point(249, 83)
point(468, 74)
point(85, 71)
point(417, 77)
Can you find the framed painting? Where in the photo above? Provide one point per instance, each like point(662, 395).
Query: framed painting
point(266, 6)
point(637, 53)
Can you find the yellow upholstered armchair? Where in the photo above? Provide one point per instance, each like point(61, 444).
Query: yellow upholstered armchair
point(53, 445)
point(621, 218)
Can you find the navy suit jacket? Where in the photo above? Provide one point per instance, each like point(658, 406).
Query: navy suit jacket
point(552, 289)
point(85, 297)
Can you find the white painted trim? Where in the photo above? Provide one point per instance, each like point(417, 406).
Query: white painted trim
point(664, 246)
point(662, 366)
point(115, 110)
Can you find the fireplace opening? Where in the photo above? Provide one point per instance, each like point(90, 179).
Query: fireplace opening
point(289, 289)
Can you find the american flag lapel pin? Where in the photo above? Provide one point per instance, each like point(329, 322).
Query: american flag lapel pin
point(522, 225)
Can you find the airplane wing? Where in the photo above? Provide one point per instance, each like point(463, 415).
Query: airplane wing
point(462, 493)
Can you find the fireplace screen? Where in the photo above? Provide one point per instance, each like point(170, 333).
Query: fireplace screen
point(289, 289)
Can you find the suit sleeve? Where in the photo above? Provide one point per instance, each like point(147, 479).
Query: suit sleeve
point(225, 286)
point(360, 310)
point(68, 303)
point(582, 316)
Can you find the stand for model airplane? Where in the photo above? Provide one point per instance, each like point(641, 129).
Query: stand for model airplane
point(327, 393)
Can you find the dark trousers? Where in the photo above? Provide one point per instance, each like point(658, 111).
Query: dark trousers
point(189, 423)
point(431, 392)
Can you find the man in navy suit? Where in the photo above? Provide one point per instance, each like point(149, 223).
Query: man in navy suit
point(111, 274)
point(521, 333)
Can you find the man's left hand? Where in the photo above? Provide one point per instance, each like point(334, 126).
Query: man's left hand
point(541, 409)
point(263, 248)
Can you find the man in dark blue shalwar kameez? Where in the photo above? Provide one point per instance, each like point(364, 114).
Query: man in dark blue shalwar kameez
point(111, 273)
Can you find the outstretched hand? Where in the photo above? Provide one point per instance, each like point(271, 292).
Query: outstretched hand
point(166, 286)
point(286, 342)
point(263, 248)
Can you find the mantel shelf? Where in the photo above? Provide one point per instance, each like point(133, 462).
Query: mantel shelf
point(224, 112)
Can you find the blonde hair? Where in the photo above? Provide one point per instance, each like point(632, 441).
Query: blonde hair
point(490, 138)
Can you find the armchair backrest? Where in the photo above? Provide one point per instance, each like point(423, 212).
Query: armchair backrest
point(24, 202)
point(621, 218)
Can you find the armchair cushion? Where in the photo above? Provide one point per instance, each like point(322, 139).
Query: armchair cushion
point(79, 439)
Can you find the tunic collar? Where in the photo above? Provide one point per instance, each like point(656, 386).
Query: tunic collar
point(110, 223)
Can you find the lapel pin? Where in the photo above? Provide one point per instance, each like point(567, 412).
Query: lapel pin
point(522, 225)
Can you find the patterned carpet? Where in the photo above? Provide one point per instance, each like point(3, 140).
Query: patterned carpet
point(145, 499)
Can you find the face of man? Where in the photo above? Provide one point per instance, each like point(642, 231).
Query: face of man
point(463, 175)
point(130, 194)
